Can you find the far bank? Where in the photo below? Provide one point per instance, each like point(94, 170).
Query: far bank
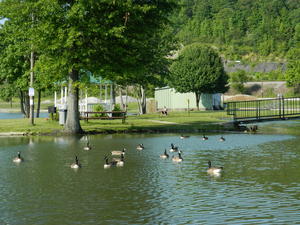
point(179, 122)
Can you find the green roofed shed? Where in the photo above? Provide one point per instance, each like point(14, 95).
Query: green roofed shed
point(169, 98)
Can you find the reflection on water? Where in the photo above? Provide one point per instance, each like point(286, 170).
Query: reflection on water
point(260, 184)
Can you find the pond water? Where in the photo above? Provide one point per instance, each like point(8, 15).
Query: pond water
point(260, 184)
point(19, 115)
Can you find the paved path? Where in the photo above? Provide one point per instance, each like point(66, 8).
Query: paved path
point(164, 122)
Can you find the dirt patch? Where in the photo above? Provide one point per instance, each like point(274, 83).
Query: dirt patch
point(239, 98)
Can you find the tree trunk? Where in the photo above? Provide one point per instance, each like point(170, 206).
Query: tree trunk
point(72, 125)
point(121, 98)
point(197, 100)
point(112, 96)
point(138, 98)
point(126, 98)
point(144, 103)
point(38, 105)
point(142, 100)
point(24, 103)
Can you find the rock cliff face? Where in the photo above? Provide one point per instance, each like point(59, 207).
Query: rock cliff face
point(233, 66)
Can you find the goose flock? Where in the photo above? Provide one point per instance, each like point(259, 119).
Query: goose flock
point(120, 160)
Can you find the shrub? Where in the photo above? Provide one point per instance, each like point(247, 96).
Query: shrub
point(99, 108)
point(238, 79)
point(117, 108)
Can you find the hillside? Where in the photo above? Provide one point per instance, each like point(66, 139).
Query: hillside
point(265, 89)
point(252, 30)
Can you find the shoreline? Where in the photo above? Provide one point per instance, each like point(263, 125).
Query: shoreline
point(227, 128)
point(177, 122)
point(17, 110)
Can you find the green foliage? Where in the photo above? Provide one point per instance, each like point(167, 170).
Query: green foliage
point(198, 69)
point(117, 108)
point(293, 68)
point(7, 92)
point(237, 80)
point(265, 28)
point(269, 76)
point(99, 108)
point(129, 39)
point(293, 73)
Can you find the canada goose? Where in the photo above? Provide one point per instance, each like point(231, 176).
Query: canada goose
point(222, 138)
point(177, 158)
point(87, 147)
point(184, 136)
point(109, 164)
point(106, 164)
point(165, 155)
point(18, 159)
point(118, 159)
point(120, 163)
point(118, 152)
point(76, 164)
point(204, 138)
point(214, 170)
point(173, 148)
point(140, 147)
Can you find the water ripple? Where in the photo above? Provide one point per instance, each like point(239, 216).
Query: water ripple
point(260, 184)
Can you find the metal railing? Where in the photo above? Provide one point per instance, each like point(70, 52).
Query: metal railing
point(273, 108)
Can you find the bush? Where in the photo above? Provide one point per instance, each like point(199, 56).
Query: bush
point(99, 108)
point(237, 80)
point(117, 108)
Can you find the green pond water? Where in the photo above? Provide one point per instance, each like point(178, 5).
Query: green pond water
point(260, 183)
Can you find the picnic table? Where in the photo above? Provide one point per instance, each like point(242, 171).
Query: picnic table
point(105, 115)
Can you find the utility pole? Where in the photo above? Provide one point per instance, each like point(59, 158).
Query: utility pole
point(31, 89)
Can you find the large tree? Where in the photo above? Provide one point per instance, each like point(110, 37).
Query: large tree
point(100, 36)
point(19, 51)
point(198, 69)
point(15, 51)
point(106, 36)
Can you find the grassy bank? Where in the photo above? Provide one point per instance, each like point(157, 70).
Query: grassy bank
point(174, 122)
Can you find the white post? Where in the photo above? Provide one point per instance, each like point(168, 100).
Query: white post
point(100, 92)
point(55, 97)
point(66, 91)
point(86, 101)
point(105, 93)
point(61, 96)
point(111, 100)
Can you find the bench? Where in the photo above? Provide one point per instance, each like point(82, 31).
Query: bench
point(106, 116)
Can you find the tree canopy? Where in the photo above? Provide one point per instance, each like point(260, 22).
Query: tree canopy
point(293, 69)
point(241, 28)
point(198, 69)
point(103, 37)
